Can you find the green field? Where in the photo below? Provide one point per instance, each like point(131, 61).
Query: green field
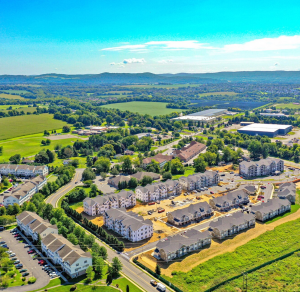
point(15, 91)
point(280, 276)
point(30, 145)
point(25, 125)
point(287, 105)
point(167, 86)
point(24, 109)
point(268, 246)
point(17, 106)
point(10, 96)
point(142, 107)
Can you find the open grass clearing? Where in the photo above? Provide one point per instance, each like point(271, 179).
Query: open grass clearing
point(188, 171)
point(29, 124)
point(143, 107)
point(287, 105)
point(14, 91)
point(10, 96)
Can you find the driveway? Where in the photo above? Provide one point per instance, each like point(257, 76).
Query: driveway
point(42, 279)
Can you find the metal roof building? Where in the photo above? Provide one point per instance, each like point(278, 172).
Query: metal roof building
point(270, 130)
point(203, 116)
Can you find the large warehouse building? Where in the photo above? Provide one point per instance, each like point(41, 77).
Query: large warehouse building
point(203, 116)
point(270, 130)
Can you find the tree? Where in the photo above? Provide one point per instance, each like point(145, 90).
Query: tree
point(15, 159)
point(103, 175)
point(99, 266)
point(127, 165)
point(5, 182)
point(90, 273)
point(102, 165)
point(127, 288)
point(46, 133)
point(72, 238)
point(63, 231)
point(66, 129)
point(116, 266)
point(157, 270)
point(88, 174)
point(177, 166)
point(146, 180)
point(75, 163)
point(133, 183)
point(167, 175)
point(255, 149)
point(89, 161)
point(114, 171)
point(51, 156)
point(109, 119)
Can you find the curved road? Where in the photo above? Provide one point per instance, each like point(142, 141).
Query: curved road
point(53, 199)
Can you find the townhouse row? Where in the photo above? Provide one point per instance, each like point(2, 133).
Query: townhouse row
point(199, 180)
point(23, 192)
point(128, 224)
point(71, 258)
point(23, 170)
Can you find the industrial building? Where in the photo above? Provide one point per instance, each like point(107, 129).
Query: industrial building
point(203, 116)
point(270, 130)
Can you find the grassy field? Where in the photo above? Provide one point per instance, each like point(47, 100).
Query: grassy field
point(24, 109)
point(25, 125)
point(167, 86)
point(15, 91)
point(150, 108)
point(188, 171)
point(281, 276)
point(30, 145)
point(10, 96)
point(287, 105)
point(268, 246)
point(13, 281)
point(229, 93)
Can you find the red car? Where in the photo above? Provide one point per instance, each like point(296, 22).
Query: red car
point(30, 251)
point(211, 192)
point(42, 262)
point(17, 235)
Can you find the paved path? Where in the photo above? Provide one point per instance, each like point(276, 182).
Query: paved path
point(54, 198)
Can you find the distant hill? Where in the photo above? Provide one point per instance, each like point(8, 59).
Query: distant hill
point(150, 78)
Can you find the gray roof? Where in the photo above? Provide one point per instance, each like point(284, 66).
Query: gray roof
point(197, 176)
point(249, 188)
point(270, 205)
point(189, 211)
point(109, 197)
point(174, 243)
point(260, 162)
point(139, 175)
point(128, 219)
point(227, 222)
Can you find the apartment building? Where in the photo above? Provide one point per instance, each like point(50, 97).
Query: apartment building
point(128, 224)
point(71, 258)
point(230, 225)
point(192, 213)
point(233, 199)
point(159, 158)
point(100, 204)
point(23, 170)
point(182, 244)
point(199, 180)
point(23, 192)
point(261, 168)
point(187, 153)
point(158, 191)
point(270, 209)
point(287, 191)
point(33, 225)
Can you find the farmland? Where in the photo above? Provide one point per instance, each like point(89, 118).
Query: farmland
point(268, 246)
point(287, 105)
point(25, 125)
point(142, 107)
point(10, 96)
point(29, 145)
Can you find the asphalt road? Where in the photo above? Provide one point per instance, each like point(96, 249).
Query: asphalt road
point(42, 279)
point(53, 199)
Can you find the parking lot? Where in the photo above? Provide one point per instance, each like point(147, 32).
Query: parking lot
point(29, 260)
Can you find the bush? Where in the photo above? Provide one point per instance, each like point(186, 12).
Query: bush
point(31, 280)
point(23, 279)
point(73, 288)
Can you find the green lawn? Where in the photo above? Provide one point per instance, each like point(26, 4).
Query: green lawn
point(15, 91)
point(294, 208)
point(24, 109)
point(10, 96)
point(123, 282)
point(287, 105)
point(87, 190)
point(268, 246)
point(25, 125)
point(82, 160)
point(280, 276)
point(30, 145)
point(16, 280)
point(188, 171)
point(143, 107)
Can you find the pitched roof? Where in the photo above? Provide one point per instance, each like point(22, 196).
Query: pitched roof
point(270, 205)
point(189, 211)
point(158, 158)
point(193, 149)
point(139, 175)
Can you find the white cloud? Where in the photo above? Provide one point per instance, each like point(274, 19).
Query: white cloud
point(165, 61)
point(134, 60)
point(126, 47)
point(267, 44)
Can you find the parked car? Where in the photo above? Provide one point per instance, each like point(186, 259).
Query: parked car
point(12, 255)
point(263, 187)
point(211, 192)
point(16, 262)
point(26, 245)
point(5, 246)
point(42, 262)
point(25, 274)
point(14, 259)
point(2, 242)
point(19, 266)
point(149, 213)
point(23, 270)
point(17, 235)
point(30, 251)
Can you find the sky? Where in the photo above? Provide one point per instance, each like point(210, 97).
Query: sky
point(91, 37)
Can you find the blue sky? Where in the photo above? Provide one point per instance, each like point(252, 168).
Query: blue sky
point(79, 37)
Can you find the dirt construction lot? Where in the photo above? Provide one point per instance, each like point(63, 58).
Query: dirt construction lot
point(217, 247)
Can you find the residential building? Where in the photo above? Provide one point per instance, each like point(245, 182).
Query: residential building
point(35, 226)
point(270, 209)
point(287, 191)
point(23, 192)
point(115, 181)
point(158, 191)
point(233, 199)
point(100, 204)
point(190, 214)
point(181, 244)
point(23, 170)
point(199, 180)
point(128, 224)
point(128, 152)
point(187, 153)
point(71, 258)
point(261, 168)
point(230, 225)
point(140, 175)
point(159, 158)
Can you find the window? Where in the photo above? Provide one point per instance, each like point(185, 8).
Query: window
point(85, 261)
point(77, 265)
